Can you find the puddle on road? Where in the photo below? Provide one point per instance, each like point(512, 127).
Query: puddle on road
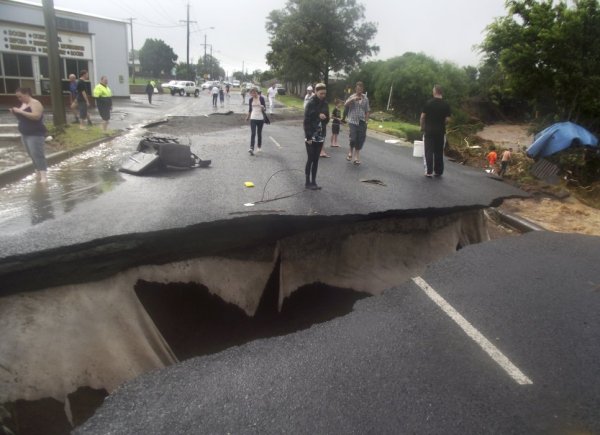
point(81, 178)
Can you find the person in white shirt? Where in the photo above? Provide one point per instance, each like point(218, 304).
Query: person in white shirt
point(215, 95)
point(271, 93)
point(308, 96)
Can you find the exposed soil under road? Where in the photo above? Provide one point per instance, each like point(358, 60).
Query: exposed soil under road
point(561, 215)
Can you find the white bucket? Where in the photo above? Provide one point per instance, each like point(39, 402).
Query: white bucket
point(418, 149)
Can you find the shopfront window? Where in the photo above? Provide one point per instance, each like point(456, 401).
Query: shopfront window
point(74, 66)
point(45, 68)
point(16, 71)
point(17, 65)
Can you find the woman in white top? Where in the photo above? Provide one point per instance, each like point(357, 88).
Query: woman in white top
point(256, 108)
point(308, 96)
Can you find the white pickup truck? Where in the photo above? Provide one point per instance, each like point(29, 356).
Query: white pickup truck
point(185, 88)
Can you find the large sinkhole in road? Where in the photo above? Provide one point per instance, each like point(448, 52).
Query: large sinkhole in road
point(194, 292)
point(196, 323)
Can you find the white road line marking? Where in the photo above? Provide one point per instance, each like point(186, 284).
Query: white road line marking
point(275, 142)
point(475, 335)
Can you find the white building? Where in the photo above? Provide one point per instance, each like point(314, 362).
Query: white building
point(90, 42)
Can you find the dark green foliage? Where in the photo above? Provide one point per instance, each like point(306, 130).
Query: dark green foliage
point(546, 53)
point(411, 78)
point(156, 57)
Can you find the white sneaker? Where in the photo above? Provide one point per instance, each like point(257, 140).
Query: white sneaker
point(258, 150)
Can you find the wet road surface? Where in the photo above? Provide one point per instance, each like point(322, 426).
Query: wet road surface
point(87, 175)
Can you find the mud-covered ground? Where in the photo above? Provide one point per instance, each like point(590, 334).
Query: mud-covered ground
point(566, 215)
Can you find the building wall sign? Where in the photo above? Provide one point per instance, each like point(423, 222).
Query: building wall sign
point(29, 40)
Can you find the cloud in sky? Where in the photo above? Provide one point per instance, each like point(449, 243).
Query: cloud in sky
point(441, 29)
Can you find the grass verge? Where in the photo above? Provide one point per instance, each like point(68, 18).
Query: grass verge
point(404, 130)
point(71, 136)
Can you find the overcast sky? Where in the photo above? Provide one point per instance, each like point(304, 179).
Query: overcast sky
point(445, 30)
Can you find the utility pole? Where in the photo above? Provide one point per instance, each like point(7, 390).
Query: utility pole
point(132, 50)
point(58, 104)
point(188, 39)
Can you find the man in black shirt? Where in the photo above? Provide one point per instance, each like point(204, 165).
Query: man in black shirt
point(83, 100)
point(434, 117)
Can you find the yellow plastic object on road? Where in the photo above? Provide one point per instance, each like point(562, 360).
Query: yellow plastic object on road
point(249, 184)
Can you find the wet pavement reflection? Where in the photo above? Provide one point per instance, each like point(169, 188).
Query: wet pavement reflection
point(71, 182)
point(87, 175)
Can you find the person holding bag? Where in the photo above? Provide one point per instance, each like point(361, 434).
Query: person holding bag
point(256, 115)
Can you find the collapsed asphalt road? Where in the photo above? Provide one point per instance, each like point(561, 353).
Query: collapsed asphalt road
point(205, 227)
point(399, 364)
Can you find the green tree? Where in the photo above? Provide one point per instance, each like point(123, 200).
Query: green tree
point(156, 57)
point(210, 67)
point(183, 73)
point(311, 38)
point(548, 53)
point(410, 78)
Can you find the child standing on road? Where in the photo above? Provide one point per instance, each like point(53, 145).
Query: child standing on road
point(506, 157)
point(335, 124)
point(491, 158)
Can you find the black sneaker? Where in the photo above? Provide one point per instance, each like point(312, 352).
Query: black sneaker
point(251, 151)
point(314, 186)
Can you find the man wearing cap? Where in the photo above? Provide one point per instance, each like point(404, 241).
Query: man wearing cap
point(309, 94)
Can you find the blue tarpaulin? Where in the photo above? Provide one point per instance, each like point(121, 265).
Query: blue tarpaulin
point(559, 137)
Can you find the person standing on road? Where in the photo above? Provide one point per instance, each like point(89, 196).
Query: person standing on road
point(357, 117)
point(335, 123)
point(434, 117)
point(243, 92)
point(30, 116)
point(256, 109)
point(308, 96)
point(316, 117)
point(222, 96)
point(215, 95)
point(83, 100)
point(103, 96)
point(73, 97)
point(272, 93)
point(149, 91)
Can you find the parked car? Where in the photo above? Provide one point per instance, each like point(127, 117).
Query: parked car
point(280, 89)
point(236, 83)
point(185, 88)
point(169, 84)
point(207, 85)
point(249, 86)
